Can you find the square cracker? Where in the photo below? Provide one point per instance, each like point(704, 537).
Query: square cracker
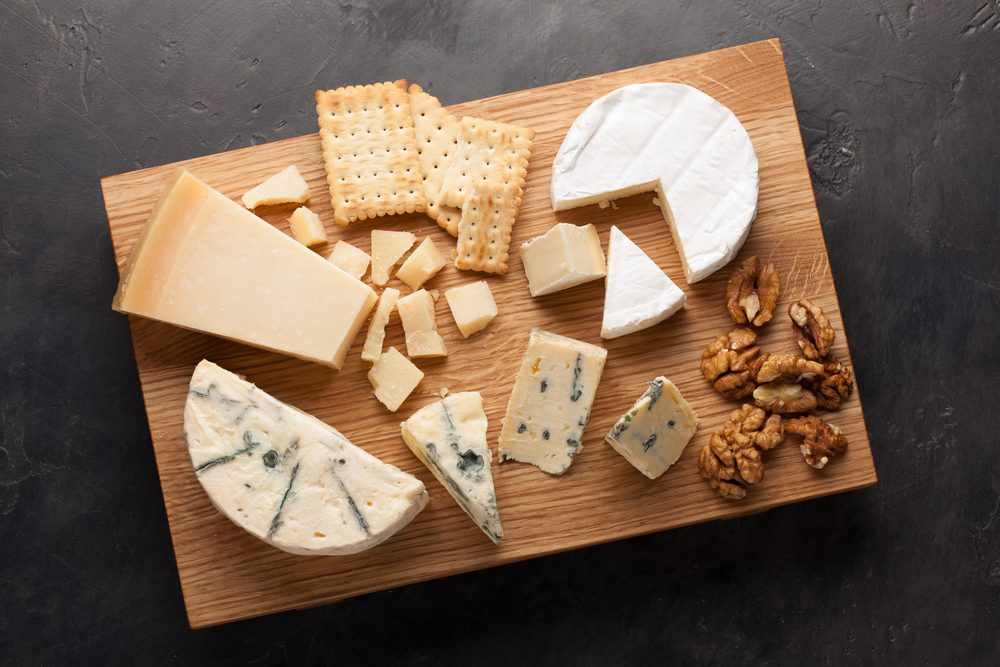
point(370, 151)
point(437, 139)
point(488, 152)
point(484, 230)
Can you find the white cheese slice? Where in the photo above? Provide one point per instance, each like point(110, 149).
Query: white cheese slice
point(638, 294)
point(676, 140)
point(285, 187)
point(563, 257)
point(307, 228)
point(372, 349)
point(654, 432)
point(387, 249)
point(204, 262)
point(551, 401)
point(286, 477)
point(449, 437)
point(422, 265)
point(353, 261)
point(394, 377)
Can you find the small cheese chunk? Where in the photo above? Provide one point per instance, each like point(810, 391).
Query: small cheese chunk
point(472, 306)
point(285, 187)
point(416, 312)
point(564, 257)
point(449, 437)
point(286, 477)
point(307, 228)
point(387, 249)
point(394, 377)
point(551, 401)
point(638, 293)
point(422, 265)
point(204, 262)
point(350, 259)
point(654, 432)
point(376, 330)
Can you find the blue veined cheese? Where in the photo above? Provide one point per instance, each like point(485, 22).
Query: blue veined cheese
point(449, 437)
point(286, 477)
point(551, 401)
point(654, 432)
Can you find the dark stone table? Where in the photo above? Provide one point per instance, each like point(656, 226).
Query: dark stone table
point(899, 108)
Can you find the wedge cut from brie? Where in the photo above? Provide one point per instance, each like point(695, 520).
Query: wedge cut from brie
point(678, 141)
point(638, 293)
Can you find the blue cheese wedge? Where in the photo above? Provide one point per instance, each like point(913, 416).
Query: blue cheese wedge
point(654, 432)
point(286, 477)
point(449, 437)
point(551, 401)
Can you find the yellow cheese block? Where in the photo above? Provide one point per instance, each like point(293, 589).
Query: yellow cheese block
point(205, 263)
point(416, 312)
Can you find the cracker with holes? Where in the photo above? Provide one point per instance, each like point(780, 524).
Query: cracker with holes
point(370, 151)
point(488, 152)
point(484, 230)
point(437, 138)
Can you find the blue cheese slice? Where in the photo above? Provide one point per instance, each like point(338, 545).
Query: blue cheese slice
point(286, 477)
point(654, 432)
point(449, 437)
point(551, 401)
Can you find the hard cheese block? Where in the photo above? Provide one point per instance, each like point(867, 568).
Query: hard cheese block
point(654, 432)
point(285, 187)
point(638, 294)
point(372, 349)
point(551, 401)
point(286, 477)
point(449, 437)
point(563, 257)
point(350, 259)
point(394, 377)
point(387, 249)
point(419, 319)
point(203, 262)
point(678, 141)
point(472, 306)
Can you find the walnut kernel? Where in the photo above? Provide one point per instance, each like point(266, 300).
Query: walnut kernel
point(752, 292)
point(821, 441)
point(834, 385)
point(732, 458)
point(728, 363)
point(811, 328)
point(787, 367)
point(784, 397)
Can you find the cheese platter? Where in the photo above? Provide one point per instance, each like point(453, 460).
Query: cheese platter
point(522, 296)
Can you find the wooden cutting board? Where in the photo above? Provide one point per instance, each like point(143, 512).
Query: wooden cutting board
point(226, 574)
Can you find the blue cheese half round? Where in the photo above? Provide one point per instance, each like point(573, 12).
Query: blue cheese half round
point(286, 477)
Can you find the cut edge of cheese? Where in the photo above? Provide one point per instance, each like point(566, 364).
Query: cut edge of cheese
point(285, 187)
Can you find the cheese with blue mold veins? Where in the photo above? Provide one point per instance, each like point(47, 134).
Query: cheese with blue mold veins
point(286, 477)
point(653, 433)
point(678, 141)
point(550, 405)
point(449, 437)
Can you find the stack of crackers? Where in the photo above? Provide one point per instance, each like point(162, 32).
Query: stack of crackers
point(389, 149)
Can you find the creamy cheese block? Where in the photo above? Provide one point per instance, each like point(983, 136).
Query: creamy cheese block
point(654, 432)
point(285, 187)
point(307, 228)
point(638, 294)
point(286, 477)
point(551, 401)
point(678, 141)
point(449, 437)
point(203, 262)
point(563, 257)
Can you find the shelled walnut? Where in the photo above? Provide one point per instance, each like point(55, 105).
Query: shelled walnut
point(833, 386)
point(729, 363)
point(812, 329)
point(783, 397)
point(752, 292)
point(821, 441)
point(732, 458)
point(787, 367)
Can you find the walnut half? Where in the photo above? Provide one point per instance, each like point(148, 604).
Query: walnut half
point(728, 362)
point(821, 441)
point(752, 292)
point(811, 328)
point(783, 397)
point(732, 458)
point(834, 385)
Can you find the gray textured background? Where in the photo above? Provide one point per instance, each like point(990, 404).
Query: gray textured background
point(899, 109)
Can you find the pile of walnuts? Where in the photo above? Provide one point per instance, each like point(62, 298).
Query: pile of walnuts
point(779, 384)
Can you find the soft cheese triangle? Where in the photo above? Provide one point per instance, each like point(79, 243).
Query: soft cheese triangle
point(285, 476)
point(678, 141)
point(638, 294)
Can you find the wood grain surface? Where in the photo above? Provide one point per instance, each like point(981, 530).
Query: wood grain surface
point(226, 574)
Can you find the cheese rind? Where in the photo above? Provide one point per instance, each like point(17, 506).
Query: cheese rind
point(387, 249)
point(394, 377)
point(472, 306)
point(422, 265)
point(307, 228)
point(550, 404)
point(372, 349)
point(286, 477)
point(285, 187)
point(563, 257)
point(419, 319)
point(449, 437)
point(655, 430)
point(676, 140)
point(205, 263)
point(353, 261)
point(638, 294)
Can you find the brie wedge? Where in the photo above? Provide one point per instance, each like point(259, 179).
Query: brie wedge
point(678, 141)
